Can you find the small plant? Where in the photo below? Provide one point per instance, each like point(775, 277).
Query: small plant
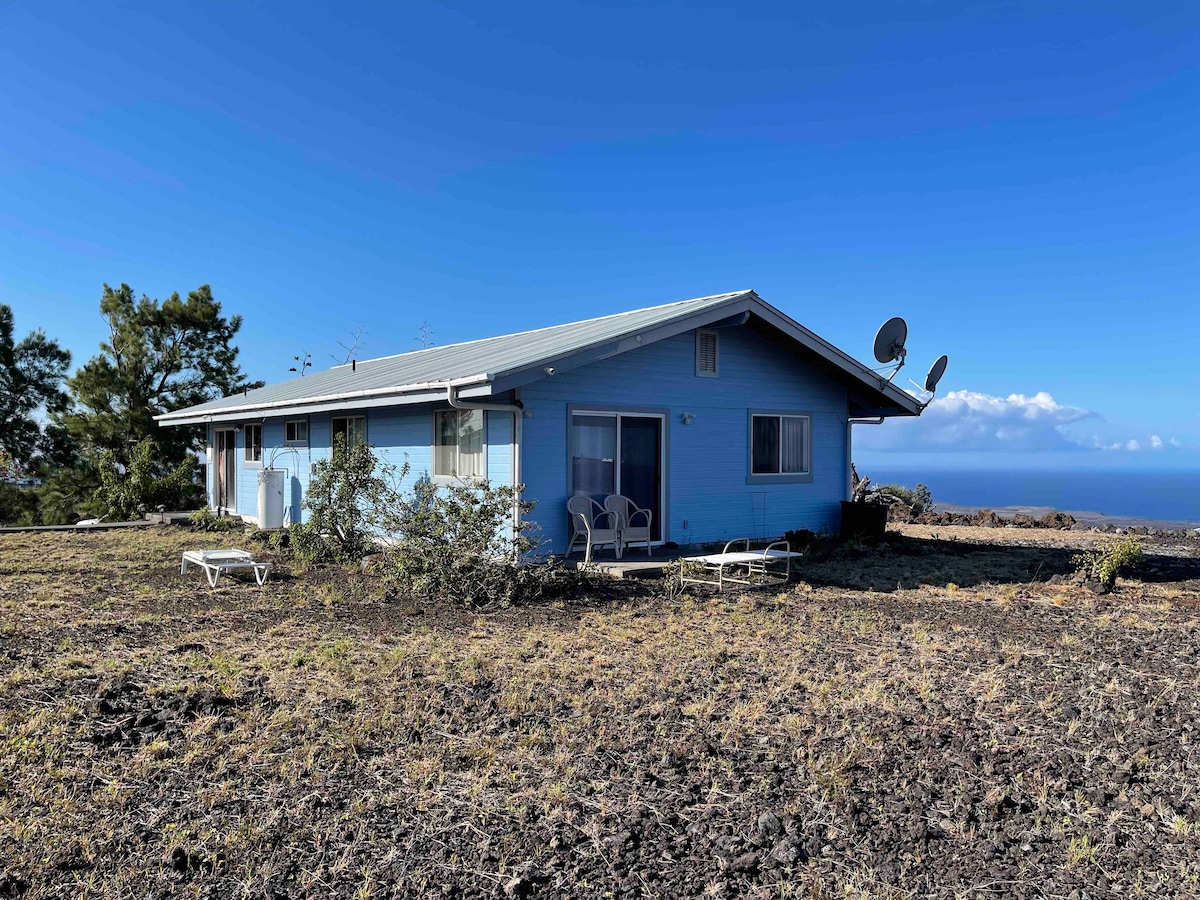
point(204, 519)
point(1103, 564)
point(671, 588)
point(800, 539)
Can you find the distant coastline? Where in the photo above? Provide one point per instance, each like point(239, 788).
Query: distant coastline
point(1167, 499)
point(1083, 517)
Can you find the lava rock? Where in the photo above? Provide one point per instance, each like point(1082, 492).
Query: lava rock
point(788, 852)
point(769, 824)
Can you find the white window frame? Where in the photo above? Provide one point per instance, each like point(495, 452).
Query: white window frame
point(246, 458)
point(298, 442)
point(701, 333)
point(333, 431)
point(433, 448)
point(780, 477)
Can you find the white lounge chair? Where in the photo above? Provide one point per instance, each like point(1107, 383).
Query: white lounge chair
point(592, 524)
point(214, 562)
point(633, 521)
point(753, 568)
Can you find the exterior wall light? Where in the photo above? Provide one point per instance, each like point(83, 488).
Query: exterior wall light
point(687, 418)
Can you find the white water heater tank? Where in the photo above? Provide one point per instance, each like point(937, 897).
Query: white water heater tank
point(270, 498)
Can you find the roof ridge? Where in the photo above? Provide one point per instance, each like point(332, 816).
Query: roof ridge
point(628, 312)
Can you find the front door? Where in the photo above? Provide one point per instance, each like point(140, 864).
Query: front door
point(224, 469)
point(620, 453)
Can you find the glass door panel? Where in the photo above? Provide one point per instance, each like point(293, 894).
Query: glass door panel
point(619, 453)
point(593, 462)
point(641, 466)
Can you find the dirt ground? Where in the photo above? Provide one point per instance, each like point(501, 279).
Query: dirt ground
point(939, 716)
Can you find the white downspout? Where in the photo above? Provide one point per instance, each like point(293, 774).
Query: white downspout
point(517, 413)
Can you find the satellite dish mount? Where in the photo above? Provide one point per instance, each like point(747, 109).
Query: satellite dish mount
point(889, 344)
point(936, 371)
point(890, 351)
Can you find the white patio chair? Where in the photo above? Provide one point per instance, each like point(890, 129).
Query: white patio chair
point(633, 521)
point(215, 562)
point(594, 525)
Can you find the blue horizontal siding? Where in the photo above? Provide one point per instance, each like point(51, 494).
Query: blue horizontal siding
point(708, 459)
point(499, 447)
point(399, 435)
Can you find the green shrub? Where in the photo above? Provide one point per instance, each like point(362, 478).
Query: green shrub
point(204, 519)
point(346, 497)
point(1106, 562)
point(448, 541)
point(919, 498)
point(457, 541)
point(18, 505)
point(133, 490)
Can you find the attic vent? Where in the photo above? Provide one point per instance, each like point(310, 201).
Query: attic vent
point(706, 354)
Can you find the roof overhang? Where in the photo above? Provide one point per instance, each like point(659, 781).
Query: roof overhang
point(871, 393)
point(403, 395)
point(876, 395)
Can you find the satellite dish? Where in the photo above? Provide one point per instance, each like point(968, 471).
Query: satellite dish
point(936, 371)
point(889, 342)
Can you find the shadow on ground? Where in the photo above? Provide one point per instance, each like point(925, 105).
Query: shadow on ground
point(902, 563)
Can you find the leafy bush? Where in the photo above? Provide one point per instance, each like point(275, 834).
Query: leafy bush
point(457, 541)
point(1105, 563)
point(132, 490)
point(204, 519)
point(452, 541)
point(346, 496)
point(18, 505)
point(919, 498)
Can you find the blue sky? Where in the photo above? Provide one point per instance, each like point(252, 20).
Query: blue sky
point(1019, 181)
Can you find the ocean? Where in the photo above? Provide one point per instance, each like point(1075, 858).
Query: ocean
point(1168, 496)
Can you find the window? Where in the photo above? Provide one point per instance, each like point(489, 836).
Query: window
point(295, 432)
point(253, 434)
point(780, 446)
point(349, 430)
point(706, 354)
point(458, 443)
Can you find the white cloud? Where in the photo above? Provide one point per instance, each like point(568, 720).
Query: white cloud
point(970, 421)
point(973, 421)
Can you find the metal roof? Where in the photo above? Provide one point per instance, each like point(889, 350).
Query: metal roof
point(477, 366)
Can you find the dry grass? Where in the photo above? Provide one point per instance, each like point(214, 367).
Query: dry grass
point(158, 738)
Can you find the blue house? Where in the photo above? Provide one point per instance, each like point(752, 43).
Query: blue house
point(721, 414)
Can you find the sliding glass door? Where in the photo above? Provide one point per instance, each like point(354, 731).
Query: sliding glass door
point(620, 453)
